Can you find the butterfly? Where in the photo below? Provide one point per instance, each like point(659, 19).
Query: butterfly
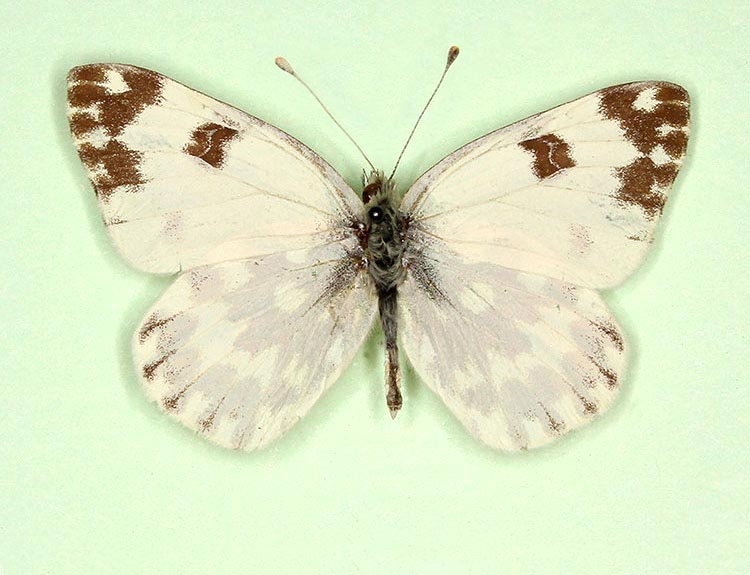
point(486, 272)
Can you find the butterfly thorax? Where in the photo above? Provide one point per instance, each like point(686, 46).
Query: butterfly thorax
point(385, 233)
point(385, 246)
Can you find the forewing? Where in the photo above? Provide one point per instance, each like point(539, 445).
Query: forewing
point(573, 193)
point(239, 351)
point(519, 359)
point(184, 180)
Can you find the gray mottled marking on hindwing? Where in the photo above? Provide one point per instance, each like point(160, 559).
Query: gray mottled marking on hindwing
point(341, 279)
point(421, 265)
point(426, 277)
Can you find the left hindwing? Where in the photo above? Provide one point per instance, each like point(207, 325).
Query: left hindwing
point(239, 351)
point(573, 193)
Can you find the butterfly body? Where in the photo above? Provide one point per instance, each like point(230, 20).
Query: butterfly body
point(385, 235)
point(486, 273)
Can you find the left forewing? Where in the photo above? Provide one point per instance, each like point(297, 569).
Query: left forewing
point(239, 351)
point(184, 180)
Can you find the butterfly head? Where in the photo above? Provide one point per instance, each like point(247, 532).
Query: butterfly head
point(375, 186)
point(381, 203)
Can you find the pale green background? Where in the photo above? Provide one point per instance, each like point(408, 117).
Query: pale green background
point(93, 479)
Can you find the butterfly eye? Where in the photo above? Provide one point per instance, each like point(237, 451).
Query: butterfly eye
point(376, 214)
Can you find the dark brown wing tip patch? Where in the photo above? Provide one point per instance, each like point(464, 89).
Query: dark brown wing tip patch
point(114, 165)
point(113, 94)
point(655, 118)
point(651, 114)
point(87, 73)
point(551, 154)
point(103, 99)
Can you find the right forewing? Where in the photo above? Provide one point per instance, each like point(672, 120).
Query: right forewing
point(573, 193)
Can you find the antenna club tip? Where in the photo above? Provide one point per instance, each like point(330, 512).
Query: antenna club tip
point(284, 65)
point(452, 55)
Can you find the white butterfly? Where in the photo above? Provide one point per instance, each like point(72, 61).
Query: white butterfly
point(486, 271)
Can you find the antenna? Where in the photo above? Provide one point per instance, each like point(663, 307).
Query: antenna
point(287, 67)
point(452, 55)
